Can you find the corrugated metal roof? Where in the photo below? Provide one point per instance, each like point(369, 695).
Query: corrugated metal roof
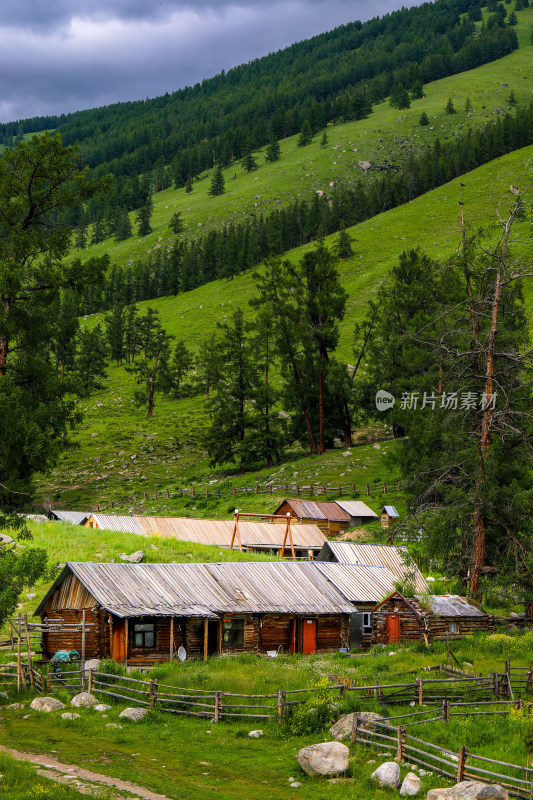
point(452, 605)
point(310, 509)
point(219, 532)
point(120, 523)
point(359, 584)
point(75, 517)
point(391, 511)
point(356, 508)
point(384, 555)
point(205, 590)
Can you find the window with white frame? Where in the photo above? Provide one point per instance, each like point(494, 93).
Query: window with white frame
point(367, 622)
point(453, 627)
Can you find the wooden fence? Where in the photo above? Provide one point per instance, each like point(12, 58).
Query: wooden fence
point(516, 778)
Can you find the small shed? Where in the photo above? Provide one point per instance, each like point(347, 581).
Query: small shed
point(388, 513)
point(74, 517)
point(436, 617)
point(142, 613)
point(328, 516)
point(358, 512)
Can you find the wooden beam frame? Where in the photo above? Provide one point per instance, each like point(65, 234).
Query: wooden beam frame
point(236, 531)
point(206, 634)
point(288, 533)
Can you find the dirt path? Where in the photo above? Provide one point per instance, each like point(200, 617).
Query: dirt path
point(83, 775)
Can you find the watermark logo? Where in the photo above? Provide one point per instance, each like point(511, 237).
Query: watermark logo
point(384, 400)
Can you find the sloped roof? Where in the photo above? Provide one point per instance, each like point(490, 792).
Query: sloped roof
point(356, 508)
point(205, 590)
point(453, 605)
point(121, 523)
point(219, 532)
point(75, 517)
point(311, 509)
point(359, 583)
point(385, 555)
point(391, 511)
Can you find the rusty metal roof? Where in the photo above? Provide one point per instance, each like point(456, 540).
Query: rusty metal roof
point(120, 523)
point(356, 508)
point(453, 605)
point(206, 590)
point(385, 555)
point(75, 517)
point(264, 535)
point(310, 509)
point(358, 583)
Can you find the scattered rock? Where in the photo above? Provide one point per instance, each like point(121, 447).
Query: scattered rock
point(135, 714)
point(294, 785)
point(343, 728)
point(113, 725)
point(255, 734)
point(92, 663)
point(46, 704)
point(470, 790)
point(468, 664)
point(16, 706)
point(388, 774)
point(31, 595)
point(5, 539)
point(70, 715)
point(134, 558)
point(327, 758)
point(411, 784)
point(84, 700)
point(101, 707)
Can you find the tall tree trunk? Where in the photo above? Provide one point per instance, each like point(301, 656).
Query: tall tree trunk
point(321, 445)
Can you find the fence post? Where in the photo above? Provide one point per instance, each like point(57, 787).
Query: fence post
point(218, 706)
point(91, 679)
point(355, 724)
point(461, 765)
point(420, 692)
point(20, 676)
point(28, 645)
point(154, 692)
point(282, 704)
point(82, 664)
point(495, 687)
point(399, 754)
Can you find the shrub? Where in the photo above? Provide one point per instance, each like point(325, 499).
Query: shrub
point(314, 714)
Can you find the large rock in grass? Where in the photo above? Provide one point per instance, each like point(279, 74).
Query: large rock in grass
point(92, 663)
point(327, 759)
point(343, 728)
point(135, 714)
point(470, 790)
point(387, 774)
point(84, 700)
point(411, 785)
point(133, 558)
point(46, 704)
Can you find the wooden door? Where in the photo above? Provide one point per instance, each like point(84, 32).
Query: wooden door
point(309, 636)
point(292, 637)
point(118, 642)
point(393, 627)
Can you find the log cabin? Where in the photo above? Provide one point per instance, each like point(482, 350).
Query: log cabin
point(395, 558)
point(142, 613)
point(358, 512)
point(434, 617)
point(328, 516)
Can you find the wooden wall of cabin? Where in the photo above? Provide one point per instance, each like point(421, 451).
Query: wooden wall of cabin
point(95, 635)
point(411, 626)
point(161, 646)
point(333, 631)
point(194, 637)
point(440, 626)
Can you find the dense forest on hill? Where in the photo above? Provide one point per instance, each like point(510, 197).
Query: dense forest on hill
point(333, 77)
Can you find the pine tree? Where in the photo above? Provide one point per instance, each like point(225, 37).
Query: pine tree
point(98, 233)
point(207, 365)
point(417, 90)
point(188, 185)
point(450, 107)
point(151, 369)
point(217, 183)
point(512, 99)
point(324, 140)
point(180, 365)
point(399, 97)
point(424, 120)
point(80, 238)
point(91, 359)
point(249, 163)
point(123, 228)
point(512, 19)
point(176, 223)
point(115, 324)
point(273, 150)
point(306, 134)
point(343, 247)
point(144, 215)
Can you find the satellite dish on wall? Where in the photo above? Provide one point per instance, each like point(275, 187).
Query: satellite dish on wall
point(182, 653)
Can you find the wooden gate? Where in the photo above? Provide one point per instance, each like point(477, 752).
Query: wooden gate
point(309, 636)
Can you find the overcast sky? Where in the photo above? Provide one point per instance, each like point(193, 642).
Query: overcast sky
point(63, 55)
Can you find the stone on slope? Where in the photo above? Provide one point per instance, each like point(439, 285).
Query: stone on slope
point(411, 784)
point(84, 700)
point(327, 759)
point(101, 707)
point(470, 790)
point(133, 558)
point(388, 774)
point(342, 729)
point(46, 704)
point(135, 714)
point(70, 715)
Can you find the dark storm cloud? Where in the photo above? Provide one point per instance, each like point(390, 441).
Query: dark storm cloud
point(56, 59)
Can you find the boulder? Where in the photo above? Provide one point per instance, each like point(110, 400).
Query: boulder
point(411, 784)
point(114, 725)
point(343, 728)
point(84, 700)
point(135, 714)
point(46, 704)
point(388, 774)
point(470, 790)
point(327, 759)
point(5, 539)
point(92, 663)
point(16, 706)
point(101, 707)
point(133, 558)
point(255, 734)
point(70, 715)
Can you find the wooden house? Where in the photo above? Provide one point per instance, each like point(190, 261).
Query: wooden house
point(397, 619)
point(74, 517)
point(395, 558)
point(388, 514)
point(254, 536)
point(358, 512)
point(328, 516)
point(142, 613)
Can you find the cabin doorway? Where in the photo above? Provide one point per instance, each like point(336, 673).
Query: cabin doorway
point(292, 637)
point(118, 640)
point(393, 628)
point(309, 636)
point(213, 637)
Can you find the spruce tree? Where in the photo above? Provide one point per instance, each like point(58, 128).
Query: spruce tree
point(123, 228)
point(343, 246)
point(144, 215)
point(217, 183)
point(399, 97)
point(450, 109)
point(188, 185)
point(80, 238)
point(306, 134)
point(249, 163)
point(180, 365)
point(115, 323)
point(324, 140)
point(424, 120)
point(91, 359)
point(468, 105)
point(273, 150)
point(417, 90)
point(151, 369)
point(176, 223)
